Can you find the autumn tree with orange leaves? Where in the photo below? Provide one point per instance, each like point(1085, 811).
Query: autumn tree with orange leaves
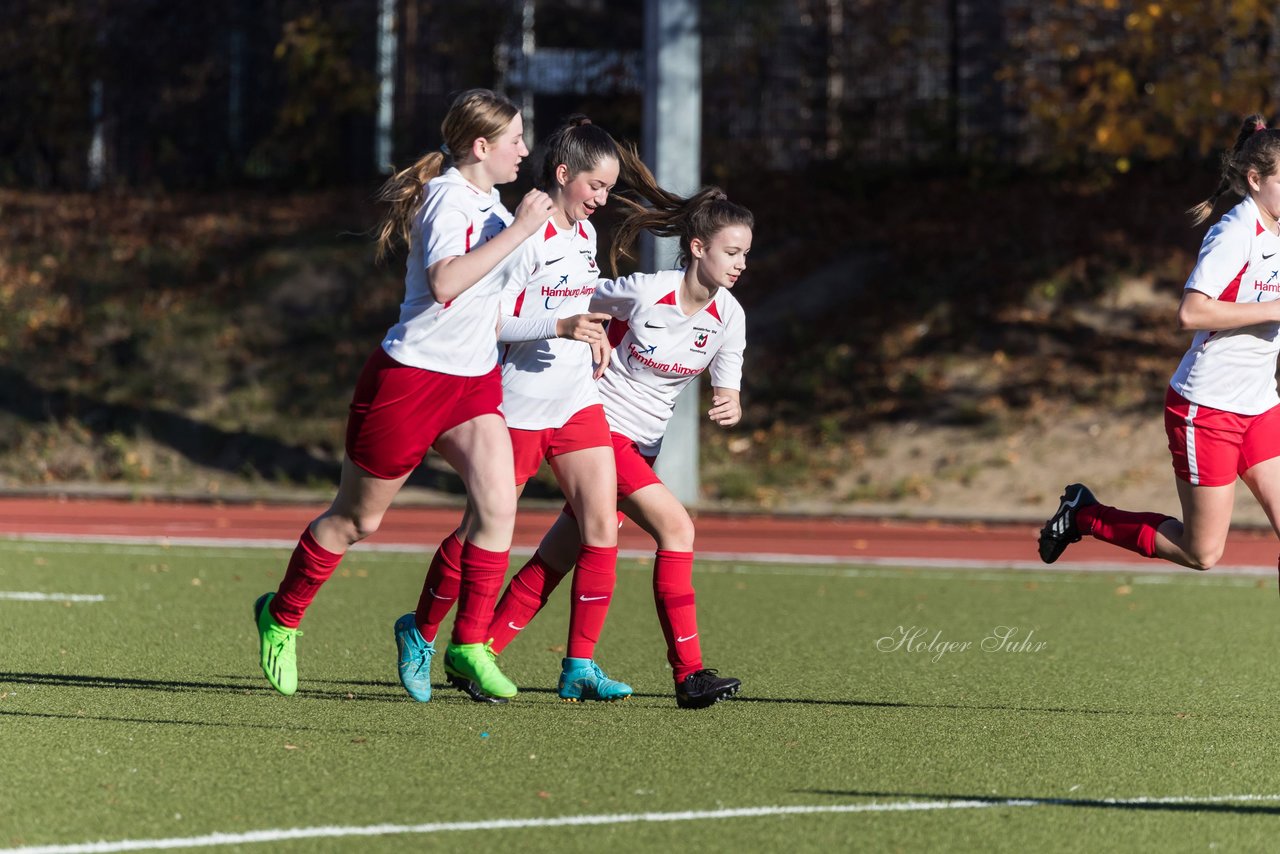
point(1107, 82)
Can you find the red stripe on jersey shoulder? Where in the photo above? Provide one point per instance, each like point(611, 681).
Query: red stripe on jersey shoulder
point(582, 231)
point(471, 229)
point(617, 331)
point(669, 299)
point(1232, 290)
point(520, 301)
point(1258, 223)
point(550, 231)
point(711, 307)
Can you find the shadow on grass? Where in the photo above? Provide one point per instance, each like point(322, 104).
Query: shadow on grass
point(277, 727)
point(245, 685)
point(959, 707)
point(392, 692)
point(1209, 805)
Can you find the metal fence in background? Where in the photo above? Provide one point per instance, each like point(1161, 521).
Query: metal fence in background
point(150, 93)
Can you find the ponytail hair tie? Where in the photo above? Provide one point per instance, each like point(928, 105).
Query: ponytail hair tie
point(444, 149)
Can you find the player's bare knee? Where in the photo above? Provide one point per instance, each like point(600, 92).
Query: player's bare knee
point(495, 516)
point(1204, 559)
point(363, 526)
point(601, 532)
point(678, 534)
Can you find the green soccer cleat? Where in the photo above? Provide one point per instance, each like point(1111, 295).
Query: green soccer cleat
point(279, 648)
point(415, 654)
point(473, 667)
point(582, 679)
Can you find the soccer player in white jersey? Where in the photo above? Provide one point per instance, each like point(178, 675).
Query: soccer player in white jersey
point(668, 328)
point(434, 381)
point(1222, 412)
point(554, 412)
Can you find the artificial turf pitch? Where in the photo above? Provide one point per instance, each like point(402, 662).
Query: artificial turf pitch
point(1132, 712)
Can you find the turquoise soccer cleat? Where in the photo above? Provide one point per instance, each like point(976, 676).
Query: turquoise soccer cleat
point(582, 679)
point(415, 654)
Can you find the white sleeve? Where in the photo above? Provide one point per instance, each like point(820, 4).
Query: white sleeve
point(447, 228)
point(1223, 257)
point(512, 330)
point(518, 270)
point(726, 364)
point(617, 297)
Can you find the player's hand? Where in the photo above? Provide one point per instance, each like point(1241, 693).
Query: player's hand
point(587, 327)
point(534, 209)
point(601, 353)
point(725, 411)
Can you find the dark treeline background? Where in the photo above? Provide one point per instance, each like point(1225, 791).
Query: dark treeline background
point(185, 95)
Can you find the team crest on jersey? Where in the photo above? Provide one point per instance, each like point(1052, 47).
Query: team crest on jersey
point(703, 336)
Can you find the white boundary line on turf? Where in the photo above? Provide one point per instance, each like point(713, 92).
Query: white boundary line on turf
point(1160, 568)
point(24, 596)
point(333, 832)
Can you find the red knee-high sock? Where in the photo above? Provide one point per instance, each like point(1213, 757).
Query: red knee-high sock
point(309, 567)
point(673, 594)
point(594, 578)
point(440, 588)
point(1129, 530)
point(482, 574)
point(523, 599)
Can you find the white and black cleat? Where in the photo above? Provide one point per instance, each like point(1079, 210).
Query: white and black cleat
point(1061, 530)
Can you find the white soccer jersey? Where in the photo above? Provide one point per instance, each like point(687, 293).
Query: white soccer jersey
point(1235, 370)
point(544, 382)
point(457, 337)
point(658, 350)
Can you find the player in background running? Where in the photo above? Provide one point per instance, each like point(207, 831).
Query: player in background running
point(553, 410)
point(433, 382)
point(1222, 412)
point(668, 328)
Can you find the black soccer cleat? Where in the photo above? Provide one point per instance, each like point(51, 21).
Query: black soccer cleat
point(1061, 530)
point(473, 691)
point(704, 688)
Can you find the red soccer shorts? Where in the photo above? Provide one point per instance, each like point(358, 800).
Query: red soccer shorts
point(635, 470)
point(1211, 447)
point(398, 412)
point(586, 429)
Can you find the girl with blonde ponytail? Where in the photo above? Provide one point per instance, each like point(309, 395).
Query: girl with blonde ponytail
point(433, 382)
point(1222, 410)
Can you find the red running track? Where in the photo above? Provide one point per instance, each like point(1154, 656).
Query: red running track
point(831, 538)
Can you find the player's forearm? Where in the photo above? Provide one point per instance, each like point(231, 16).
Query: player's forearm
point(450, 277)
point(1198, 312)
point(730, 393)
